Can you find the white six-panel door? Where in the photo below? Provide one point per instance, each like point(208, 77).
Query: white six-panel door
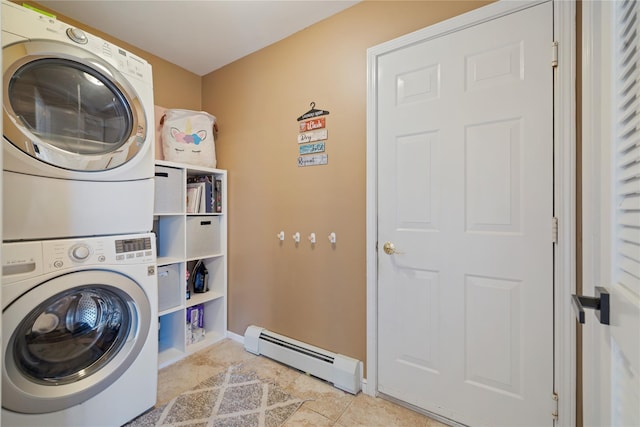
point(465, 201)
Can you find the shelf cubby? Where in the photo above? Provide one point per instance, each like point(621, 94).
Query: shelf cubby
point(183, 239)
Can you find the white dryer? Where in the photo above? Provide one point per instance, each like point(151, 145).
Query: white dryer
point(78, 146)
point(79, 331)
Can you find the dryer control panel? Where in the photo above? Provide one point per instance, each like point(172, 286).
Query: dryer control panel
point(23, 23)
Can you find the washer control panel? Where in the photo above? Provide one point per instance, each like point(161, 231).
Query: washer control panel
point(95, 251)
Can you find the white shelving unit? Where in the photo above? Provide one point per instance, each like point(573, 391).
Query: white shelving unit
point(183, 239)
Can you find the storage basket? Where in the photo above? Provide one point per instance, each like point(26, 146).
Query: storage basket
point(187, 137)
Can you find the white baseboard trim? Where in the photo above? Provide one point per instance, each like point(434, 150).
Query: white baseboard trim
point(365, 389)
point(235, 337)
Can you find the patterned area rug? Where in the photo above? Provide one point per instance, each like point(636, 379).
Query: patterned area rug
point(229, 399)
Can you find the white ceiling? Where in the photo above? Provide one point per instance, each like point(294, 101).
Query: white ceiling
point(201, 35)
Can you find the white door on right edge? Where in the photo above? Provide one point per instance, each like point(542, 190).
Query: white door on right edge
point(465, 196)
point(611, 228)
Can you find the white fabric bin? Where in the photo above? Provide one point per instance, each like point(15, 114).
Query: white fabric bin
point(169, 190)
point(203, 236)
point(171, 287)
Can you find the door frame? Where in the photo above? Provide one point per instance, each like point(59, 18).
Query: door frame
point(564, 29)
point(596, 191)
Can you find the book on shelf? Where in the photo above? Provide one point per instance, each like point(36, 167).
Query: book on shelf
point(204, 202)
point(217, 199)
point(193, 197)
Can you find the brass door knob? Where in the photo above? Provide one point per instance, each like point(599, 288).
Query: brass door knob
point(389, 248)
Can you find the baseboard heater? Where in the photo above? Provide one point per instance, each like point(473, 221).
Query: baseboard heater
point(344, 372)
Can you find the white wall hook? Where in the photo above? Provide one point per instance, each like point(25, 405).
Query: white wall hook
point(312, 238)
point(332, 237)
point(280, 236)
point(296, 237)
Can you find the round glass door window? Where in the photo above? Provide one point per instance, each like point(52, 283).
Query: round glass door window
point(68, 338)
point(71, 335)
point(69, 108)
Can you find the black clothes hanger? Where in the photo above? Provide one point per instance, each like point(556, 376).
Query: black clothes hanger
point(312, 113)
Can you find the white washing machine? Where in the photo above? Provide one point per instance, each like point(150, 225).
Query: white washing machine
point(79, 331)
point(78, 146)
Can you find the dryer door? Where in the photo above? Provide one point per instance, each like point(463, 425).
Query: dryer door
point(67, 107)
point(69, 338)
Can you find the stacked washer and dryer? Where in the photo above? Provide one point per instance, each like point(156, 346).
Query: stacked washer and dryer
point(79, 285)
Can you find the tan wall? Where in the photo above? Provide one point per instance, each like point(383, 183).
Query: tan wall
point(314, 294)
point(173, 86)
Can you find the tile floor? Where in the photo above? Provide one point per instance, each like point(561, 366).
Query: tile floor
point(324, 404)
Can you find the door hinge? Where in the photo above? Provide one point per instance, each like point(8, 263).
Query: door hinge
point(554, 414)
point(554, 230)
point(554, 55)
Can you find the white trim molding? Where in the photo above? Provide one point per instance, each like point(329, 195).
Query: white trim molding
point(564, 28)
point(235, 337)
point(596, 172)
point(564, 191)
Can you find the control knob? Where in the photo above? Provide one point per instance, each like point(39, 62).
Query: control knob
point(80, 252)
point(77, 35)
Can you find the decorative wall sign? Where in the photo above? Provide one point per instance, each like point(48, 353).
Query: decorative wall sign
point(312, 124)
point(312, 130)
point(318, 147)
point(315, 160)
point(318, 135)
point(312, 113)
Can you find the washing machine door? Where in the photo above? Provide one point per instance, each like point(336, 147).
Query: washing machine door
point(69, 338)
point(69, 108)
